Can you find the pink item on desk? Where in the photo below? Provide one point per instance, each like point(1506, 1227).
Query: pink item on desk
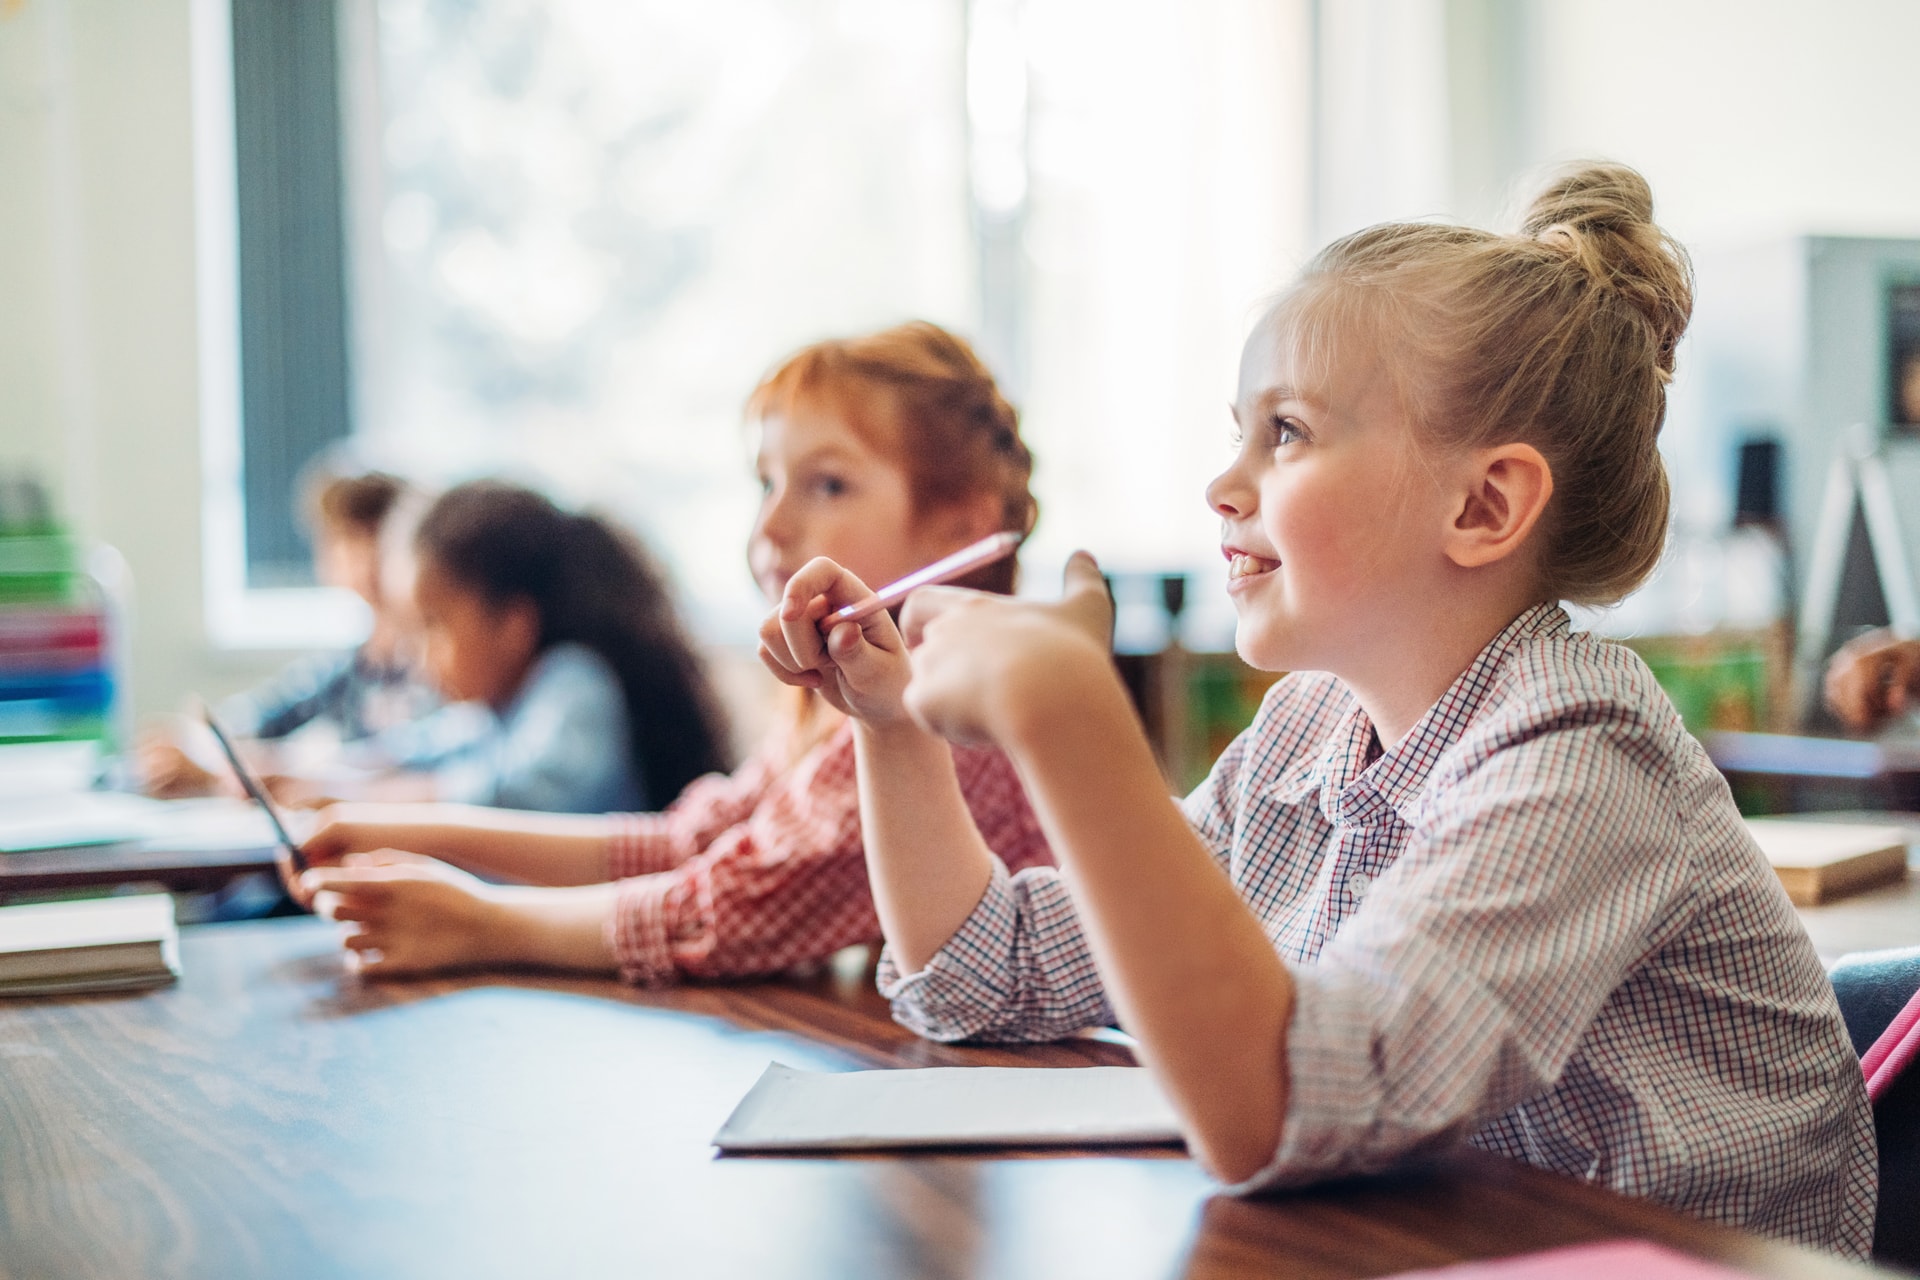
point(1607, 1260)
point(1893, 1051)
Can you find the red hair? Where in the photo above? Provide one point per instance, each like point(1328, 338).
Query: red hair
point(921, 395)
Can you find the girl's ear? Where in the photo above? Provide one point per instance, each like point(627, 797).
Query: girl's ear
point(518, 623)
point(968, 520)
point(1507, 490)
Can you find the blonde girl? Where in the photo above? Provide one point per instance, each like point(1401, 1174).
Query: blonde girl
point(886, 451)
point(1465, 878)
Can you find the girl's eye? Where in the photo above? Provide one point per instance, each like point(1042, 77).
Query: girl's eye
point(1286, 431)
point(830, 486)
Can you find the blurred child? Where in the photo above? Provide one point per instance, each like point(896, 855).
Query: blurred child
point(887, 452)
point(562, 628)
point(1465, 878)
point(354, 696)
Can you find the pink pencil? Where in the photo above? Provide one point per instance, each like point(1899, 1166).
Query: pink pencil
point(958, 565)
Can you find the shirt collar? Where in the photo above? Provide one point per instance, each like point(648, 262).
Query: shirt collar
point(1357, 783)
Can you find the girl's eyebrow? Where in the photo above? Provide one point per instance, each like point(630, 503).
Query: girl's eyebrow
point(1277, 395)
point(817, 454)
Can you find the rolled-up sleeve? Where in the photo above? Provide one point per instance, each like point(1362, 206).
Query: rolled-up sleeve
point(787, 884)
point(766, 871)
point(1018, 968)
point(646, 843)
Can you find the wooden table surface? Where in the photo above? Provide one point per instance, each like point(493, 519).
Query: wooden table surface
point(272, 1115)
point(104, 865)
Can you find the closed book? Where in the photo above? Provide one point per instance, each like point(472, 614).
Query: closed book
point(1820, 861)
point(102, 944)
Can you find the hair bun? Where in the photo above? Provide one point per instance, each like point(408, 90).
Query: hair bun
point(1601, 216)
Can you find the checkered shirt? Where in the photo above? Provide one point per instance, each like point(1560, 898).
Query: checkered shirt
point(1537, 924)
point(763, 870)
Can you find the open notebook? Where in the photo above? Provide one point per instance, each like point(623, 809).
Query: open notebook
point(789, 1110)
point(102, 944)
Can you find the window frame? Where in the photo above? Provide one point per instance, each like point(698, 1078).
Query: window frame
point(237, 615)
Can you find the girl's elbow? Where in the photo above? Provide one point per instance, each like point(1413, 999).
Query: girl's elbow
point(1231, 1158)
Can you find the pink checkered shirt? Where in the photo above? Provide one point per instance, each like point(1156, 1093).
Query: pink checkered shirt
point(763, 870)
point(1537, 924)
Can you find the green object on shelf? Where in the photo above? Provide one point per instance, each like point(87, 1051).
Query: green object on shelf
point(39, 568)
point(1715, 682)
point(1223, 695)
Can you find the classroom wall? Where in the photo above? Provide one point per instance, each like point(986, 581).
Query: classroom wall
point(98, 377)
point(1753, 119)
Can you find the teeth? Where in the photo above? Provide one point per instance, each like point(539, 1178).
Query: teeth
point(1245, 566)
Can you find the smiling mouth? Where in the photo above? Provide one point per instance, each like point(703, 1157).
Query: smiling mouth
point(1242, 565)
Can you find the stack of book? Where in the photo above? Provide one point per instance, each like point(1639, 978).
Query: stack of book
point(104, 944)
point(56, 683)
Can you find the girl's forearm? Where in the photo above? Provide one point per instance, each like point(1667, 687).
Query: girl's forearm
point(539, 848)
point(1185, 961)
point(925, 859)
point(563, 928)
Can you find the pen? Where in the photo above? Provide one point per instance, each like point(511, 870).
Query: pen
point(993, 547)
point(254, 789)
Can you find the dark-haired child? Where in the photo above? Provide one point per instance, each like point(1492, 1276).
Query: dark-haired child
point(355, 696)
point(560, 626)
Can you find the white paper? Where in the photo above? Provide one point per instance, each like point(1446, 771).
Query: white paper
point(789, 1110)
point(77, 818)
point(113, 817)
point(210, 823)
point(89, 922)
point(29, 770)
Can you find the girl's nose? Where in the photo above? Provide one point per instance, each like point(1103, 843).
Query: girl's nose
point(1228, 494)
point(773, 524)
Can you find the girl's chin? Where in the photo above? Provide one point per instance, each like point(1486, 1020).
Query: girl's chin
point(1262, 650)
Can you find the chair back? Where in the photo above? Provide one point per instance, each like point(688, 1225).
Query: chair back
point(1879, 993)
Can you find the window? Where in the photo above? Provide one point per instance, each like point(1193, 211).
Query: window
point(600, 221)
point(577, 232)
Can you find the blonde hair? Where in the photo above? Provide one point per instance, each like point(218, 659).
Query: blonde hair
point(1561, 336)
point(921, 395)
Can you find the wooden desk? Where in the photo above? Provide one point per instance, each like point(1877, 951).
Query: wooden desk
point(100, 865)
point(1799, 774)
point(271, 1116)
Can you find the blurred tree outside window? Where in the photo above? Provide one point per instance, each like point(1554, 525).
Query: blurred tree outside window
point(588, 227)
point(579, 231)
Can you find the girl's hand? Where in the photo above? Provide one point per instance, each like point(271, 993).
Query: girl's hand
point(980, 659)
point(340, 831)
point(860, 668)
point(346, 828)
point(416, 915)
point(169, 773)
point(290, 791)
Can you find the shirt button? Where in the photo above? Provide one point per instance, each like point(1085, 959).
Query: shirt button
point(1357, 884)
